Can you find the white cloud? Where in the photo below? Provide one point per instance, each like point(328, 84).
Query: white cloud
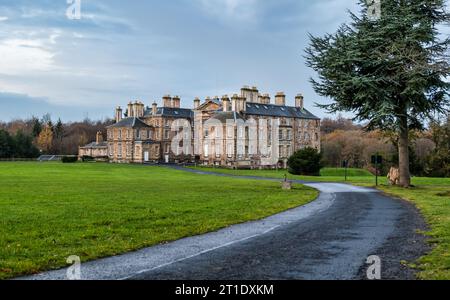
point(24, 55)
point(2, 19)
point(243, 10)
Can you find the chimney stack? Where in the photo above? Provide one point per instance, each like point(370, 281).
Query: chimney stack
point(99, 138)
point(130, 110)
point(255, 95)
point(238, 104)
point(250, 94)
point(266, 99)
point(167, 101)
point(139, 108)
point(176, 102)
point(243, 104)
point(280, 99)
point(226, 103)
point(118, 114)
point(260, 99)
point(136, 109)
point(196, 103)
point(235, 103)
point(154, 108)
point(300, 101)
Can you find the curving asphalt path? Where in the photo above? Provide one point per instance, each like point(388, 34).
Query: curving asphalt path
point(330, 238)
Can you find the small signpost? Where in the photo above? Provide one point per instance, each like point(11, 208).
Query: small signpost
point(286, 184)
point(345, 166)
point(377, 160)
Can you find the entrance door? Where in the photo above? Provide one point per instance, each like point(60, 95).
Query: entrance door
point(167, 159)
point(146, 156)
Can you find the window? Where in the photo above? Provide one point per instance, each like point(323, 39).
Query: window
point(128, 133)
point(119, 149)
point(138, 134)
point(206, 133)
point(128, 150)
point(289, 151)
point(218, 150)
point(206, 150)
point(289, 135)
point(120, 134)
point(280, 135)
point(241, 151)
point(111, 150)
point(230, 130)
point(230, 150)
point(167, 150)
point(218, 132)
point(166, 134)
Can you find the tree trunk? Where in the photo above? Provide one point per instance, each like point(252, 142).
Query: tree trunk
point(403, 151)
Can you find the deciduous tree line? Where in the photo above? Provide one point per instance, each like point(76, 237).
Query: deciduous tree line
point(31, 137)
point(429, 149)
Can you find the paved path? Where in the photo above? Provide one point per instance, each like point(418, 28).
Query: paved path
point(329, 238)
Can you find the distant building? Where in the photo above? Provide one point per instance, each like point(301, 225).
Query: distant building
point(97, 150)
point(149, 134)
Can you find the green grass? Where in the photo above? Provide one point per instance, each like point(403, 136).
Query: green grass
point(340, 172)
point(430, 195)
point(434, 203)
point(355, 176)
point(49, 211)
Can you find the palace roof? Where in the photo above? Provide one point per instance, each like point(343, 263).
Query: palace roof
point(171, 112)
point(131, 122)
point(273, 110)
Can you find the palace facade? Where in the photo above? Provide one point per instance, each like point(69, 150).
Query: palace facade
point(224, 131)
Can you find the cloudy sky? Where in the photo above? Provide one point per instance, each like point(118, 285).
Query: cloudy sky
point(127, 50)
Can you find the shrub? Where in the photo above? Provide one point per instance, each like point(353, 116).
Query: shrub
point(69, 159)
point(305, 162)
point(87, 158)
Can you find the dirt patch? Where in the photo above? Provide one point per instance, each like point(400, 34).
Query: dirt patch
point(444, 194)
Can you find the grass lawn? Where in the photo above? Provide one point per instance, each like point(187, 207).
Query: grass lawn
point(434, 203)
point(430, 195)
point(49, 211)
point(355, 176)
